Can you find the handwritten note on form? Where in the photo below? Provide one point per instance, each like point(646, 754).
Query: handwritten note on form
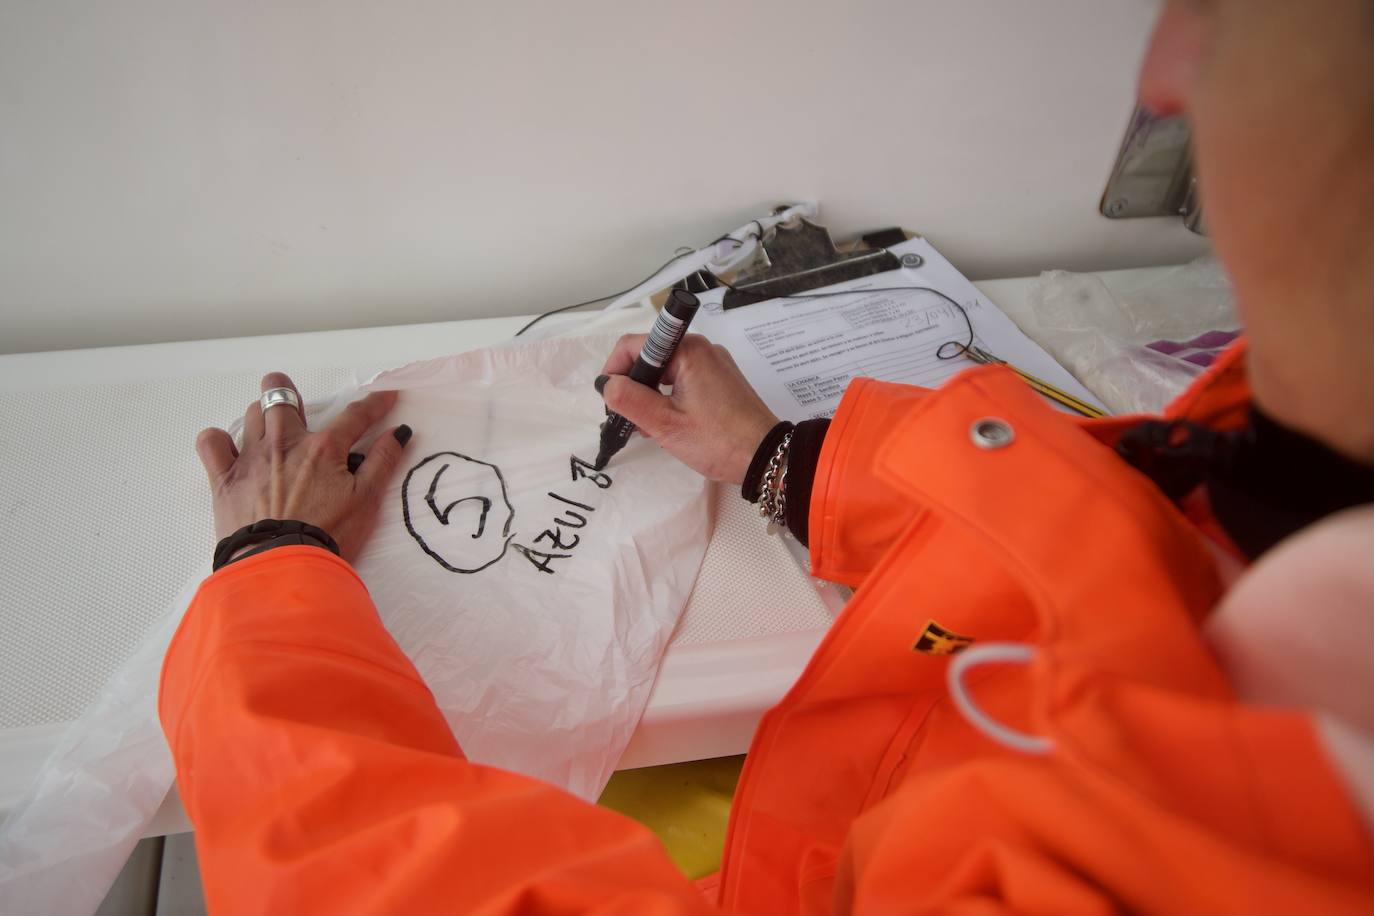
point(800, 353)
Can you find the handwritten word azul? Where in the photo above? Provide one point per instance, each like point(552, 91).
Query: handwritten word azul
point(556, 537)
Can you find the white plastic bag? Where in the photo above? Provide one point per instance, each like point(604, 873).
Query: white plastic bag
point(1138, 347)
point(535, 594)
point(64, 844)
point(542, 672)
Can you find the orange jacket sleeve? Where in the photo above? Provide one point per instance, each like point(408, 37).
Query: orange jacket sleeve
point(856, 514)
point(321, 776)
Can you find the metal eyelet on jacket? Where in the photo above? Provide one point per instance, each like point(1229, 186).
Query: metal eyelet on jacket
point(991, 432)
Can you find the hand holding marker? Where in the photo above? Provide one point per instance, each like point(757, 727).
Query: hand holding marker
point(664, 337)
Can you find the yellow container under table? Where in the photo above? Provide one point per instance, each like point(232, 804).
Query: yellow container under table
point(686, 805)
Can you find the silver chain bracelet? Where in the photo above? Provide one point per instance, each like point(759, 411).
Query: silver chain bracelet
point(773, 492)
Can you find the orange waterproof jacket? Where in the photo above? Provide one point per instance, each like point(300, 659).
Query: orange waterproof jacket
point(1089, 758)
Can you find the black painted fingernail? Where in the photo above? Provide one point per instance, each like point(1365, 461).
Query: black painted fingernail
point(355, 461)
point(600, 383)
point(403, 433)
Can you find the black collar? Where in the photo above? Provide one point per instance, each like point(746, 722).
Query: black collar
point(1265, 481)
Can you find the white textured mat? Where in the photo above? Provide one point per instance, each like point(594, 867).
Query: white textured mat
point(104, 515)
point(749, 585)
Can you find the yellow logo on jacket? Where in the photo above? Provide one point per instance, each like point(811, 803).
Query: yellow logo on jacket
point(936, 640)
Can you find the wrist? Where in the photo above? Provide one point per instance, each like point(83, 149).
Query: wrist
point(269, 533)
point(786, 497)
point(751, 486)
point(773, 489)
point(240, 553)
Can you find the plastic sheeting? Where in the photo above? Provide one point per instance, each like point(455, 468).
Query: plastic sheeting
point(63, 845)
point(534, 594)
point(1136, 348)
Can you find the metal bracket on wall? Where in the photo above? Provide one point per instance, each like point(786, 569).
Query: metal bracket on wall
point(1154, 172)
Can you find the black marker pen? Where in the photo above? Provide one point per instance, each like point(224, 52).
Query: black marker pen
point(664, 337)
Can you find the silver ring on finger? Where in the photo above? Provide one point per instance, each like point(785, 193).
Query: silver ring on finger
point(276, 397)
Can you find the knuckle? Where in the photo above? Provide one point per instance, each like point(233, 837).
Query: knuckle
point(387, 459)
point(386, 446)
point(612, 394)
point(320, 446)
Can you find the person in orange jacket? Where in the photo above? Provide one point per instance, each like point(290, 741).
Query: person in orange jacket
point(1090, 666)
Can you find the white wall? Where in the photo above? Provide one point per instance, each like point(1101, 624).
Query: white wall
point(188, 168)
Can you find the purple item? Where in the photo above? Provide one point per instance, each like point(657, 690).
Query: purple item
point(1213, 340)
point(1202, 350)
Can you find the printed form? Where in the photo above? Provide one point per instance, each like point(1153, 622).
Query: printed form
point(800, 353)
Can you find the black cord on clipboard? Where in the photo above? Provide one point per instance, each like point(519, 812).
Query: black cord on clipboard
point(950, 349)
point(957, 348)
point(965, 348)
point(953, 349)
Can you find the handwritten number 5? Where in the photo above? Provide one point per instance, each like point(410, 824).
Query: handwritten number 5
point(443, 514)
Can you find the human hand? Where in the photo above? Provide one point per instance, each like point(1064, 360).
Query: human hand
point(713, 422)
point(287, 472)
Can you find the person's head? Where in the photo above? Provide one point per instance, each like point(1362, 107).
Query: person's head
point(1280, 98)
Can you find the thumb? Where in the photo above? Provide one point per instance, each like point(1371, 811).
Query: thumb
point(643, 406)
point(382, 459)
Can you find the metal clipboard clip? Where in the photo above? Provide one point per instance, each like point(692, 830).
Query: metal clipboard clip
point(799, 256)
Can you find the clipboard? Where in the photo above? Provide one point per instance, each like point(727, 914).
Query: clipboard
point(798, 259)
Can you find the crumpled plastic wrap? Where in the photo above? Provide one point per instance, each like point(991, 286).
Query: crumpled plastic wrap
point(64, 844)
point(1136, 348)
point(534, 594)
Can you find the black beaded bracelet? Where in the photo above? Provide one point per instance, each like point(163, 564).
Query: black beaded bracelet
point(268, 533)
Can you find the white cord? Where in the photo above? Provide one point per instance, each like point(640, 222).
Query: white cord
point(982, 654)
